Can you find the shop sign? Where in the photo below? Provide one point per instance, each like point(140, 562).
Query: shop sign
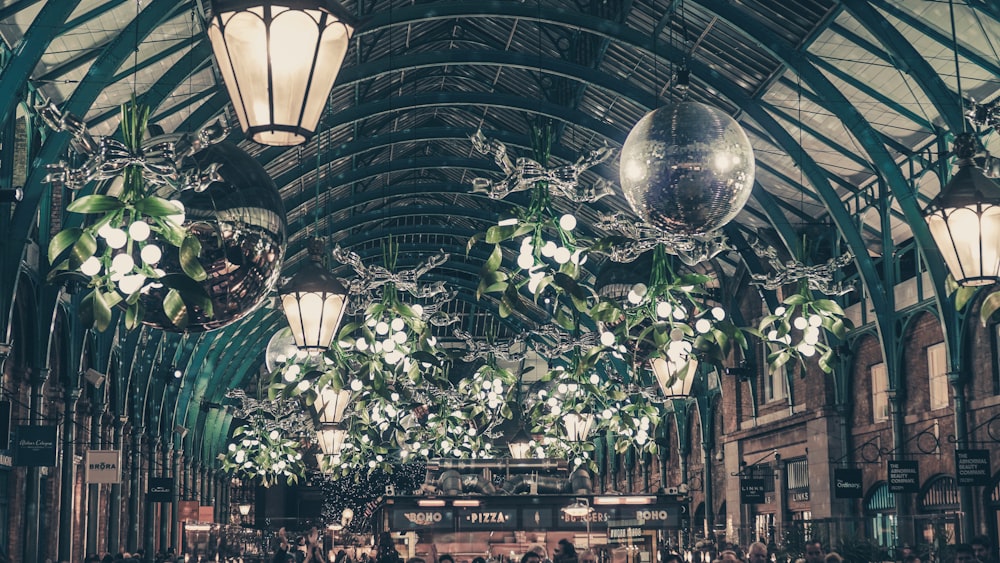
point(624, 535)
point(848, 483)
point(484, 518)
point(802, 496)
point(538, 518)
point(595, 519)
point(752, 490)
point(422, 519)
point(972, 467)
point(161, 489)
point(6, 461)
point(903, 477)
point(35, 446)
point(103, 466)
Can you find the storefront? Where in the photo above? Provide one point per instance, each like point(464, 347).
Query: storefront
point(619, 529)
point(880, 515)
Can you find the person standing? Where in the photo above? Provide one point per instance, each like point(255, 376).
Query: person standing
point(757, 553)
point(815, 552)
point(565, 552)
point(982, 547)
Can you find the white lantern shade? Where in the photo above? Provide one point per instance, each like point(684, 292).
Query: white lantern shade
point(313, 302)
point(520, 445)
point(331, 439)
point(674, 378)
point(279, 60)
point(578, 426)
point(330, 405)
point(964, 220)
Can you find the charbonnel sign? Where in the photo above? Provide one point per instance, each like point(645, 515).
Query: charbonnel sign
point(35, 446)
point(847, 483)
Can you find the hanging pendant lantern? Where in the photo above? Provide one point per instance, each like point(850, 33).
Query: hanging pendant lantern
point(672, 377)
point(964, 220)
point(330, 405)
point(578, 426)
point(279, 60)
point(331, 439)
point(520, 445)
point(314, 302)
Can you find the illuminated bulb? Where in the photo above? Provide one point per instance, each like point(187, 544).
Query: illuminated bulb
point(116, 238)
point(578, 258)
point(594, 379)
point(806, 349)
point(703, 326)
point(800, 323)
point(663, 310)
point(91, 266)
point(361, 344)
point(607, 338)
point(150, 253)
point(104, 230)
point(525, 261)
point(303, 385)
point(815, 321)
point(179, 217)
point(139, 231)
point(676, 334)
point(779, 311)
point(507, 222)
point(772, 335)
point(382, 328)
point(122, 264)
point(399, 337)
point(549, 249)
point(562, 255)
point(417, 309)
point(567, 222)
point(388, 345)
point(356, 385)
point(130, 284)
point(718, 313)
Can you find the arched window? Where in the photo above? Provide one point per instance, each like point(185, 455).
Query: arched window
point(938, 507)
point(880, 515)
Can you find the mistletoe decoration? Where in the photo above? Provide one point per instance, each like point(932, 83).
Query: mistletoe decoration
point(128, 228)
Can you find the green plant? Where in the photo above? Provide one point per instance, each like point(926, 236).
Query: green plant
point(795, 329)
point(257, 453)
point(120, 246)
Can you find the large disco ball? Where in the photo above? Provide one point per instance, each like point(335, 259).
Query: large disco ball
point(240, 222)
point(687, 168)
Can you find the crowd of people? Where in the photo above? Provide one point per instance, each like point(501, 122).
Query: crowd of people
point(979, 550)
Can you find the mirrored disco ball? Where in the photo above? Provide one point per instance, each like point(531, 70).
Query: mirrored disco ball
point(687, 168)
point(282, 348)
point(240, 222)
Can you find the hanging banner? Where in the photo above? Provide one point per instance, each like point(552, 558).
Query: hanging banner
point(752, 490)
point(903, 477)
point(848, 483)
point(972, 468)
point(104, 466)
point(161, 489)
point(35, 446)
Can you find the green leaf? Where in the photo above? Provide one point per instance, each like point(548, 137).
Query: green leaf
point(839, 329)
point(95, 203)
point(990, 306)
point(829, 306)
point(175, 309)
point(133, 316)
point(64, 240)
point(84, 248)
point(156, 206)
point(190, 250)
point(824, 361)
point(606, 311)
point(796, 299)
point(493, 262)
point(780, 359)
point(172, 233)
point(963, 295)
point(101, 311)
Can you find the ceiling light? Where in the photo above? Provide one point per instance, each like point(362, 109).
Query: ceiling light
point(313, 302)
point(964, 220)
point(279, 60)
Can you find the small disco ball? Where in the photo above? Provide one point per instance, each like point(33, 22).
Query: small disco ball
point(240, 222)
point(687, 169)
point(281, 349)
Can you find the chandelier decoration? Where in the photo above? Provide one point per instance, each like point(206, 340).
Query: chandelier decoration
point(281, 414)
point(817, 278)
point(481, 349)
point(524, 173)
point(637, 237)
point(369, 280)
point(107, 157)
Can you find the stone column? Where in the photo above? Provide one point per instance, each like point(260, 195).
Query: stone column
point(67, 475)
point(165, 467)
point(115, 496)
point(135, 490)
point(94, 491)
point(33, 492)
